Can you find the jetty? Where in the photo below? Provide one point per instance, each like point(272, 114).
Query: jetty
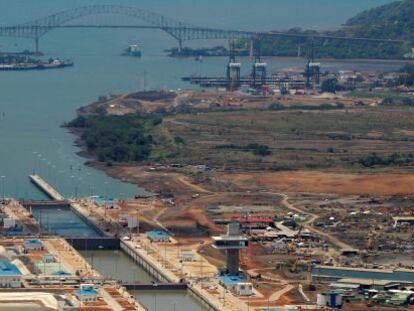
point(46, 188)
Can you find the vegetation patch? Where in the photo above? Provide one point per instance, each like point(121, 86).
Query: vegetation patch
point(257, 149)
point(324, 106)
point(394, 159)
point(117, 138)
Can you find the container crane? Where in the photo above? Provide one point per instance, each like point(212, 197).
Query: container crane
point(233, 69)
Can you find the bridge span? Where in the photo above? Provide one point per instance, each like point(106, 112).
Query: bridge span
point(181, 31)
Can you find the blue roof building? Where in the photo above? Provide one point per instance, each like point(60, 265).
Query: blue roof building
point(9, 275)
point(158, 236)
point(8, 269)
point(236, 284)
point(33, 245)
point(87, 292)
point(231, 280)
point(102, 200)
point(61, 273)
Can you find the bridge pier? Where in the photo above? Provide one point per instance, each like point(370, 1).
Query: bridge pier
point(180, 45)
point(37, 46)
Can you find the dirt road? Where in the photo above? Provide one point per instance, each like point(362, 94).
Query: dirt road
point(308, 224)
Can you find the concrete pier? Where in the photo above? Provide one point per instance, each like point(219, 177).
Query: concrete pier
point(46, 188)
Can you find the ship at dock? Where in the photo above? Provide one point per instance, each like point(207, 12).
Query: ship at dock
point(19, 64)
point(133, 50)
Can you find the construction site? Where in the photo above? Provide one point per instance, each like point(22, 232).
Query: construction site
point(234, 250)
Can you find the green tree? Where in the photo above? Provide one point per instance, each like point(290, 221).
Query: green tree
point(330, 85)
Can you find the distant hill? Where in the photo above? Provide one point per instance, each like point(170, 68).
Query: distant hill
point(393, 21)
point(390, 21)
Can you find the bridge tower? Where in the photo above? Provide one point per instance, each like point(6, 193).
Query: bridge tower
point(233, 69)
point(233, 242)
point(259, 71)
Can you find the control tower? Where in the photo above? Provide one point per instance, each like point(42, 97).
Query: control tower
point(233, 242)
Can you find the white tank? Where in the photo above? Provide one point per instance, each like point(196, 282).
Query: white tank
point(321, 299)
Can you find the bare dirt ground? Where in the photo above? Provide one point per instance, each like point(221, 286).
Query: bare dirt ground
point(326, 182)
point(161, 101)
point(155, 181)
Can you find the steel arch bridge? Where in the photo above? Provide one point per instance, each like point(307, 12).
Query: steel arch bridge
point(177, 29)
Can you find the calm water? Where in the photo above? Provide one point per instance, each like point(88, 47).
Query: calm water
point(167, 301)
point(63, 221)
point(33, 105)
point(117, 265)
point(21, 307)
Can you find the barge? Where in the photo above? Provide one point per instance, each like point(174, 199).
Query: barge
point(25, 66)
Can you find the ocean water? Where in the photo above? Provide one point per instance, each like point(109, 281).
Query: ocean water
point(33, 105)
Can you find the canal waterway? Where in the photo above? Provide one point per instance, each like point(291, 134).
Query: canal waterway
point(119, 266)
point(63, 221)
point(21, 307)
point(168, 300)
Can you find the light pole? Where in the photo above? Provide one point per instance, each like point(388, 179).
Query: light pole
point(248, 303)
point(165, 254)
point(2, 187)
point(201, 259)
point(155, 297)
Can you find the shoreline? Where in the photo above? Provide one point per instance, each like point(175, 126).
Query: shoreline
point(166, 177)
point(327, 59)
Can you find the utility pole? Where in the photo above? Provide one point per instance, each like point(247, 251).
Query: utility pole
point(2, 188)
point(37, 46)
point(180, 45)
point(37, 40)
